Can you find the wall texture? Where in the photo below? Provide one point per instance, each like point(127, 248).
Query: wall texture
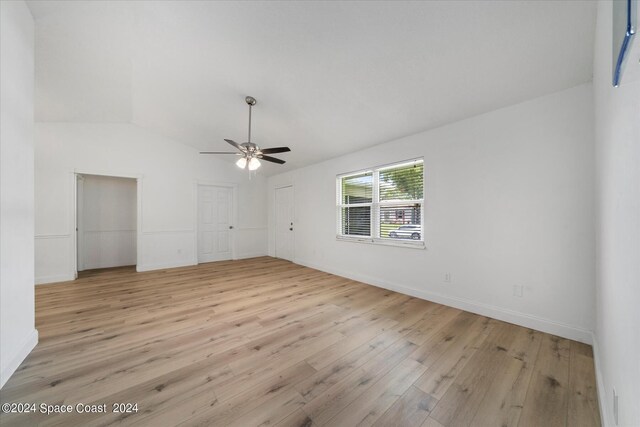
point(508, 201)
point(107, 222)
point(168, 173)
point(17, 331)
point(617, 118)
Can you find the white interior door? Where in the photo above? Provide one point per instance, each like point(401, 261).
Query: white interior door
point(215, 208)
point(284, 223)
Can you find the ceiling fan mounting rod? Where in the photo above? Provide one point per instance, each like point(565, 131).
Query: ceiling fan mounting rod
point(251, 101)
point(249, 138)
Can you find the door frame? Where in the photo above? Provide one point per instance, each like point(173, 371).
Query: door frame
point(234, 214)
point(73, 208)
point(79, 222)
point(293, 217)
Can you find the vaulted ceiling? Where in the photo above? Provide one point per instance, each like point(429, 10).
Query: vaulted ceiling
point(330, 77)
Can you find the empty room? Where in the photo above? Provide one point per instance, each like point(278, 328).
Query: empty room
point(320, 213)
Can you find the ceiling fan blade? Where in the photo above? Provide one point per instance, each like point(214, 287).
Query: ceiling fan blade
point(220, 152)
point(271, 159)
point(275, 150)
point(235, 144)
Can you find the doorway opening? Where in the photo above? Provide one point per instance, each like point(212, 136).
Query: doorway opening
point(106, 222)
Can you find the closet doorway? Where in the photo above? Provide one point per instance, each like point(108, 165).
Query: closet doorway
point(106, 221)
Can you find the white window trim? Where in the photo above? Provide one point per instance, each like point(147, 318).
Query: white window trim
point(375, 209)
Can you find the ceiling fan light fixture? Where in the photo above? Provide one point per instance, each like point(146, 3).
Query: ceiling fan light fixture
point(254, 164)
point(242, 163)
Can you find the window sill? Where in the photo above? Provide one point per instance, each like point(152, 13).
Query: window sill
point(412, 244)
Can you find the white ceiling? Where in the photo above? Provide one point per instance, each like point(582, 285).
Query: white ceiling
point(330, 77)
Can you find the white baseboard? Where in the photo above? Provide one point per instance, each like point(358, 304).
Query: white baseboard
point(511, 316)
point(602, 394)
point(54, 278)
point(250, 255)
point(30, 341)
point(163, 266)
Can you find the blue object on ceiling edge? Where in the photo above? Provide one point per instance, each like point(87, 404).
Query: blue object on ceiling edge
point(628, 25)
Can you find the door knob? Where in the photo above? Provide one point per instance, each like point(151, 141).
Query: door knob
point(231, 227)
point(291, 229)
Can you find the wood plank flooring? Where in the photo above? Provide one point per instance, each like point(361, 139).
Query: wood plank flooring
point(267, 342)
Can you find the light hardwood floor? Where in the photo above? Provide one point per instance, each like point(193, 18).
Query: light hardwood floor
point(268, 342)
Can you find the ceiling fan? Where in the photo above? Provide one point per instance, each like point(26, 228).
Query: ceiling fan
point(249, 151)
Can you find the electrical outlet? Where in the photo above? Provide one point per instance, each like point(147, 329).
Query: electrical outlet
point(615, 406)
point(447, 277)
point(518, 291)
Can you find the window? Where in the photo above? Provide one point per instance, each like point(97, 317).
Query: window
point(382, 205)
point(356, 200)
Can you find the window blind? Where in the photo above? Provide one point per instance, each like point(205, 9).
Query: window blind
point(357, 188)
point(402, 182)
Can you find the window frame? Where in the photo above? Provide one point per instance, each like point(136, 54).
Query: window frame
point(375, 205)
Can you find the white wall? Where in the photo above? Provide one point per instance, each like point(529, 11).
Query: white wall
point(617, 335)
point(508, 201)
point(17, 329)
point(167, 173)
point(106, 222)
